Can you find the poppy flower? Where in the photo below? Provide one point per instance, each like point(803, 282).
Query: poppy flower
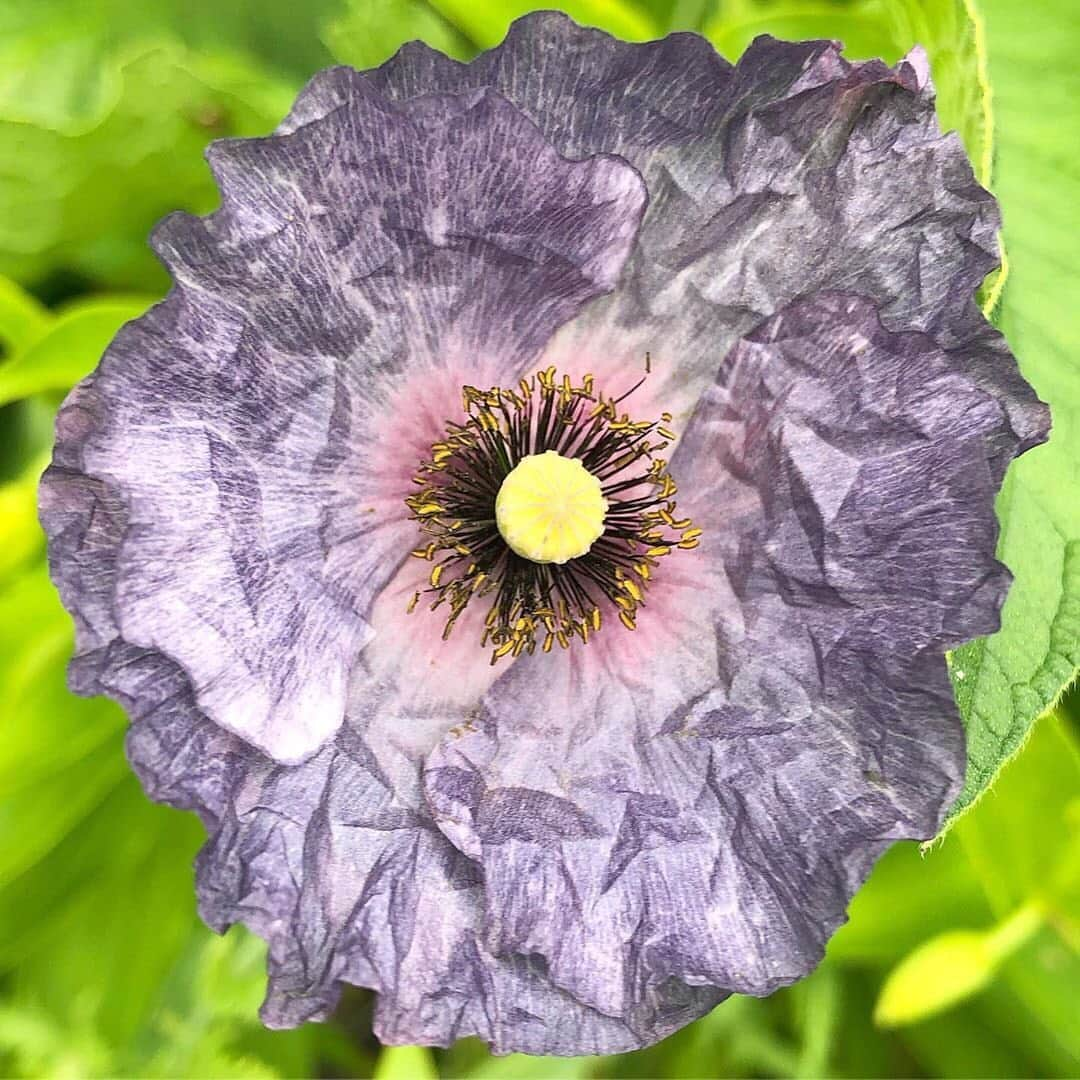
point(530, 531)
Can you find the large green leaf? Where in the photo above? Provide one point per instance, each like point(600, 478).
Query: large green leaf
point(863, 27)
point(1004, 682)
point(405, 1063)
point(59, 757)
point(20, 535)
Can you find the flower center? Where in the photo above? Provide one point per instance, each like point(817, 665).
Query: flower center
point(550, 508)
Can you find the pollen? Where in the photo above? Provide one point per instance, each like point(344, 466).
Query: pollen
point(541, 504)
point(550, 508)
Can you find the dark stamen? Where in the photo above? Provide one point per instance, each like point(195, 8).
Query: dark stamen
point(454, 505)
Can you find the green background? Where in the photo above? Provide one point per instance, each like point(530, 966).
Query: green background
point(962, 960)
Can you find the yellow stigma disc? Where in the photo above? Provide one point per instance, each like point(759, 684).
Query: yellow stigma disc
point(550, 508)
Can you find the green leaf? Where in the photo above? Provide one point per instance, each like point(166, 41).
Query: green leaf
point(70, 347)
point(406, 1063)
point(964, 1042)
point(279, 33)
point(370, 31)
point(951, 967)
point(115, 145)
point(41, 1045)
point(527, 1067)
point(232, 975)
point(817, 1009)
point(22, 318)
point(1021, 846)
point(486, 23)
point(26, 434)
point(953, 36)
point(1004, 682)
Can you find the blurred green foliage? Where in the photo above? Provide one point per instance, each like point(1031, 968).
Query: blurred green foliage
point(960, 961)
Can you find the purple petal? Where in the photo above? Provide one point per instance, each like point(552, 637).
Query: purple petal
point(237, 429)
point(793, 171)
point(618, 836)
point(635, 826)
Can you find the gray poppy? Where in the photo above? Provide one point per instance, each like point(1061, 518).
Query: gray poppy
point(627, 783)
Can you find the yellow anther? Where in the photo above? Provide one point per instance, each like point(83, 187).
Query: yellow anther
point(502, 650)
point(550, 508)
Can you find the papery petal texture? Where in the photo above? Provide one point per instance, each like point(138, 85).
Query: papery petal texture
point(710, 824)
point(576, 852)
point(241, 422)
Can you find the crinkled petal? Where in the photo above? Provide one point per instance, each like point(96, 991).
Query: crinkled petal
point(585, 854)
point(793, 171)
point(348, 883)
point(636, 829)
point(240, 426)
